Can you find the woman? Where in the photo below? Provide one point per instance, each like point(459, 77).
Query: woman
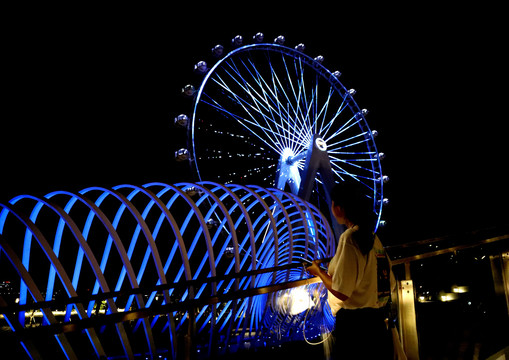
point(352, 279)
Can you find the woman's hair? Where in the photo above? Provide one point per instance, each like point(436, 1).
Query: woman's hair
point(358, 209)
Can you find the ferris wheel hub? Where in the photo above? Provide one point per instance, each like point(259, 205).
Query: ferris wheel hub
point(321, 144)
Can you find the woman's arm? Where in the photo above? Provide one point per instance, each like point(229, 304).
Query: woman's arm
point(316, 270)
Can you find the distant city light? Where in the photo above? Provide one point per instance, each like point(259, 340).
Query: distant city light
point(459, 289)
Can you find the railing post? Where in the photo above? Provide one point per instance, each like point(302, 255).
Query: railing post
point(500, 272)
point(407, 318)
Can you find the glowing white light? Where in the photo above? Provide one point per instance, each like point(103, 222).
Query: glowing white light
point(320, 144)
point(459, 289)
point(295, 301)
point(445, 297)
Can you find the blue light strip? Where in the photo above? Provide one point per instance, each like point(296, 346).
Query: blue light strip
point(275, 228)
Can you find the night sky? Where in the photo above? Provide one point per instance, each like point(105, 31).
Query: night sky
point(90, 96)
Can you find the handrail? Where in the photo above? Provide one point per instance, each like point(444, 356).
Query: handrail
point(153, 310)
point(448, 250)
point(181, 284)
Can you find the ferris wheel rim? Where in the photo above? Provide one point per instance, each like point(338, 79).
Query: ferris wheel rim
point(324, 74)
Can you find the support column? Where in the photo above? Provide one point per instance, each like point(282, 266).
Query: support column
point(500, 272)
point(317, 161)
point(407, 319)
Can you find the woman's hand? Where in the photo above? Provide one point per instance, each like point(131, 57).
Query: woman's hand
point(314, 269)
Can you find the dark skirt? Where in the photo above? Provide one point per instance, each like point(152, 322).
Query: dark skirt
point(362, 334)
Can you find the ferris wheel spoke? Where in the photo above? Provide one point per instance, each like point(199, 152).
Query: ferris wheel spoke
point(331, 122)
point(246, 106)
point(333, 145)
point(302, 85)
point(248, 88)
point(323, 110)
point(236, 98)
point(291, 120)
point(371, 160)
point(315, 107)
point(302, 121)
point(269, 139)
point(270, 101)
point(344, 127)
point(353, 164)
point(268, 93)
point(293, 102)
point(352, 144)
point(338, 170)
point(286, 134)
point(354, 153)
point(300, 96)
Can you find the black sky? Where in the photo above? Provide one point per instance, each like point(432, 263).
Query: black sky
point(90, 93)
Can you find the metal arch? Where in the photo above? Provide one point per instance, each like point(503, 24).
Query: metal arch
point(311, 223)
point(112, 233)
point(202, 230)
point(203, 224)
point(329, 233)
point(165, 213)
point(150, 240)
point(229, 220)
point(293, 200)
point(271, 220)
point(34, 291)
point(233, 236)
point(29, 282)
point(245, 215)
point(27, 344)
point(93, 264)
point(155, 200)
point(279, 204)
point(56, 264)
point(275, 242)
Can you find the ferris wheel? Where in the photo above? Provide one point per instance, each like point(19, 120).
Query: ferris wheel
point(268, 114)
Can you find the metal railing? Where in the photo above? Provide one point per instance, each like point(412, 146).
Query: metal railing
point(495, 248)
